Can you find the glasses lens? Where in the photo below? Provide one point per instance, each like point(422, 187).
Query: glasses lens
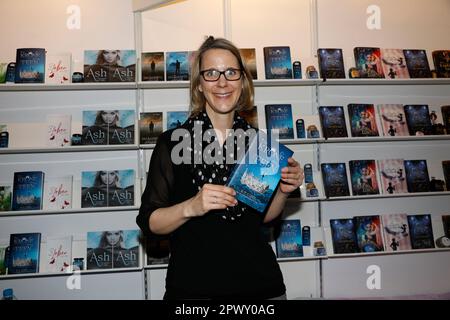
point(232, 74)
point(211, 75)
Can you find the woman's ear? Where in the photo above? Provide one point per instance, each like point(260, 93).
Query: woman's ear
point(200, 88)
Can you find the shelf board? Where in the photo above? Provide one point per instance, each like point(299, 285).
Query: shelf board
point(382, 253)
point(163, 85)
point(68, 87)
point(64, 212)
point(384, 139)
point(286, 82)
point(64, 274)
point(69, 149)
point(370, 82)
point(384, 196)
point(301, 258)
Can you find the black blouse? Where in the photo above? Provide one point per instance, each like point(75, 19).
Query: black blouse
point(210, 257)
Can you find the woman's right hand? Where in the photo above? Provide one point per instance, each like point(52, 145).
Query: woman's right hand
point(210, 197)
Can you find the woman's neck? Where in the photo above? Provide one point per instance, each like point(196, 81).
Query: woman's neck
point(221, 122)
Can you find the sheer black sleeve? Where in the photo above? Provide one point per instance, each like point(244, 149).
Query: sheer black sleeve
point(160, 182)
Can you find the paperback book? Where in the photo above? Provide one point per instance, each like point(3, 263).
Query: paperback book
point(176, 118)
point(150, 127)
point(362, 120)
point(28, 188)
point(24, 253)
point(331, 63)
point(343, 236)
point(152, 66)
point(177, 65)
point(112, 127)
point(58, 193)
point(393, 176)
point(364, 177)
point(417, 63)
point(335, 180)
point(333, 122)
point(109, 65)
point(421, 231)
point(277, 62)
point(394, 64)
point(279, 117)
point(289, 242)
point(396, 232)
point(368, 62)
point(58, 68)
point(417, 178)
point(248, 56)
point(58, 130)
point(368, 233)
point(441, 60)
point(437, 122)
point(30, 65)
point(59, 254)
point(418, 120)
point(393, 120)
point(446, 118)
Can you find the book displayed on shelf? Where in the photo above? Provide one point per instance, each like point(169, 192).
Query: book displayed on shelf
point(437, 123)
point(24, 253)
point(343, 236)
point(446, 169)
point(121, 130)
point(59, 254)
point(333, 123)
point(418, 119)
point(445, 110)
point(256, 176)
point(3, 68)
point(177, 66)
point(176, 118)
point(103, 127)
point(58, 193)
point(150, 127)
point(30, 65)
point(393, 176)
point(417, 178)
point(110, 65)
point(158, 251)
point(368, 233)
point(441, 59)
point(362, 120)
point(5, 197)
point(446, 224)
point(396, 232)
point(58, 68)
point(331, 63)
point(248, 56)
point(277, 62)
point(28, 188)
point(368, 62)
point(3, 262)
point(113, 249)
point(394, 64)
point(279, 117)
point(251, 116)
point(335, 180)
point(393, 120)
point(58, 130)
point(152, 66)
point(417, 63)
point(289, 241)
point(421, 231)
point(363, 175)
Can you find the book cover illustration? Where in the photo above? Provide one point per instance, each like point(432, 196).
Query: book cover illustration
point(58, 68)
point(150, 127)
point(58, 130)
point(418, 120)
point(331, 63)
point(248, 56)
point(368, 62)
point(394, 64)
point(152, 66)
point(3, 262)
point(446, 169)
point(109, 65)
point(441, 59)
point(5, 198)
point(94, 189)
point(58, 193)
point(158, 251)
point(251, 116)
point(177, 65)
point(121, 127)
point(417, 178)
point(277, 62)
point(445, 110)
point(113, 249)
point(3, 68)
point(335, 180)
point(393, 176)
point(421, 231)
point(24, 253)
point(364, 177)
point(343, 236)
point(417, 63)
point(393, 120)
point(368, 233)
point(333, 122)
point(120, 185)
point(396, 232)
point(95, 126)
point(437, 122)
point(279, 117)
point(446, 224)
point(30, 65)
point(59, 254)
point(256, 176)
point(176, 118)
point(28, 188)
point(362, 120)
point(289, 241)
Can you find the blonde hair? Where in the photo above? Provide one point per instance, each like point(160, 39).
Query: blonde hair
point(197, 98)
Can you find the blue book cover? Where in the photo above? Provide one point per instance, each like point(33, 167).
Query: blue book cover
point(177, 65)
point(418, 120)
point(256, 176)
point(333, 122)
point(331, 63)
point(28, 188)
point(95, 127)
point(121, 188)
point(343, 236)
point(421, 231)
point(30, 65)
point(110, 65)
point(362, 120)
point(417, 63)
point(417, 178)
point(122, 130)
point(24, 253)
point(368, 233)
point(335, 180)
point(176, 118)
point(94, 189)
point(277, 62)
point(289, 242)
point(279, 117)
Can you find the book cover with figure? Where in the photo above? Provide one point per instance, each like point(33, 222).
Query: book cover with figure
point(418, 119)
point(5, 198)
point(30, 65)
point(150, 127)
point(421, 230)
point(335, 180)
point(249, 58)
point(58, 130)
point(95, 127)
point(24, 253)
point(256, 176)
point(289, 241)
point(362, 120)
point(121, 188)
point(110, 65)
point(396, 231)
point(152, 66)
point(177, 66)
point(446, 169)
point(277, 62)
point(363, 175)
point(417, 63)
point(121, 130)
point(28, 188)
point(445, 110)
point(331, 63)
point(59, 254)
point(368, 233)
point(393, 120)
point(176, 118)
point(343, 235)
point(393, 176)
point(437, 121)
point(333, 123)
point(279, 117)
point(394, 64)
point(417, 177)
point(441, 59)
point(368, 62)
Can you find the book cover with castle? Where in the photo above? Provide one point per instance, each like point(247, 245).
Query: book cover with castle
point(30, 65)
point(289, 242)
point(28, 188)
point(279, 117)
point(277, 62)
point(24, 253)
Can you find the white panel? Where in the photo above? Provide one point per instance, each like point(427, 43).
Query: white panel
point(301, 279)
point(157, 283)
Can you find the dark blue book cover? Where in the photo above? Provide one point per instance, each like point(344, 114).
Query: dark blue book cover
point(177, 66)
point(417, 178)
point(176, 118)
point(279, 117)
point(418, 120)
point(421, 231)
point(417, 63)
point(335, 180)
point(343, 236)
point(289, 242)
point(277, 62)
point(24, 253)
point(256, 176)
point(30, 65)
point(28, 187)
point(362, 120)
point(363, 175)
point(333, 122)
point(331, 63)
point(368, 233)
point(441, 59)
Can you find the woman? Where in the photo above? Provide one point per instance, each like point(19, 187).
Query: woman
point(217, 245)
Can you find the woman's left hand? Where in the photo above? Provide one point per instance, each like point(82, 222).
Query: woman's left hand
point(291, 176)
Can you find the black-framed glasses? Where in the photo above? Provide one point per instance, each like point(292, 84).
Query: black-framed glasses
point(231, 74)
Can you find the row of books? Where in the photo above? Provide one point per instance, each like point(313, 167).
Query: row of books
point(386, 232)
point(111, 249)
point(397, 176)
point(34, 65)
point(31, 190)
